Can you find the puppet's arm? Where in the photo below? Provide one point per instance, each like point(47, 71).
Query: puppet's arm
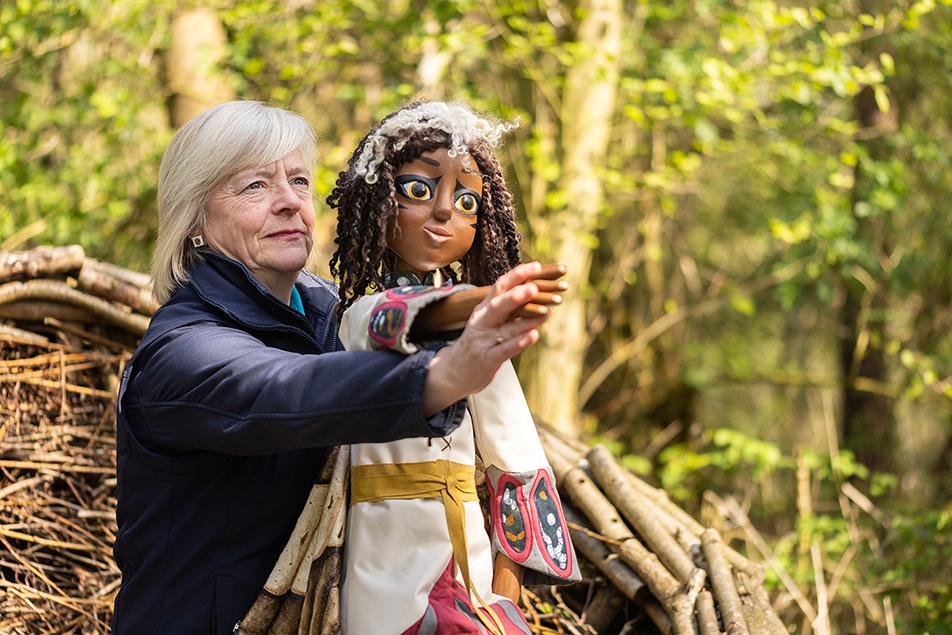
point(452, 312)
point(382, 320)
point(507, 577)
point(399, 318)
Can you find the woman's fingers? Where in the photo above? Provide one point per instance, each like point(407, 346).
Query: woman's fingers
point(501, 326)
point(549, 289)
point(513, 289)
point(520, 274)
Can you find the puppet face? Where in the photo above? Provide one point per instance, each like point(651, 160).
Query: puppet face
point(438, 200)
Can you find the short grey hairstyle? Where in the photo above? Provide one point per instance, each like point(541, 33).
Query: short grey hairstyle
point(203, 154)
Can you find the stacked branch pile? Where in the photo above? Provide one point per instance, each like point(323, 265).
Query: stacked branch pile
point(67, 326)
point(69, 323)
point(682, 575)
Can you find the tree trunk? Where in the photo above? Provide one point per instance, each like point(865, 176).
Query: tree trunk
point(553, 368)
point(197, 48)
point(868, 417)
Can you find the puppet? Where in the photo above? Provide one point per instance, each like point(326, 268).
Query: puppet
point(423, 214)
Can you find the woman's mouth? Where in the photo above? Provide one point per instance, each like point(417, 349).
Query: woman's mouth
point(290, 233)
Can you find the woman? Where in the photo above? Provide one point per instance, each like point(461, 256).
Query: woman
point(424, 200)
point(234, 395)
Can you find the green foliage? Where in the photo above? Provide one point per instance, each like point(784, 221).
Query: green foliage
point(747, 204)
point(918, 541)
point(80, 144)
point(632, 462)
point(867, 552)
point(718, 452)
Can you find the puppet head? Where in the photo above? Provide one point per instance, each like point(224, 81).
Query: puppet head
point(366, 199)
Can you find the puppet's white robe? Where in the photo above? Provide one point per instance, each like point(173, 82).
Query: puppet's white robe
point(395, 550)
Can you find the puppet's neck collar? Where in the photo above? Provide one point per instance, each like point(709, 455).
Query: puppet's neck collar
point(406, 279)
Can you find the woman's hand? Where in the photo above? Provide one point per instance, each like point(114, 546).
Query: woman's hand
point(492, 335)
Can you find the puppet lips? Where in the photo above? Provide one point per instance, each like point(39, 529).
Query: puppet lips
point(437, 234)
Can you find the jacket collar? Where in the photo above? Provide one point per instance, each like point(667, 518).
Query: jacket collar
point(227, 287)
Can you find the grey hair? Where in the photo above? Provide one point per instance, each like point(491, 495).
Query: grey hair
point(203, 154)
point(455, 119)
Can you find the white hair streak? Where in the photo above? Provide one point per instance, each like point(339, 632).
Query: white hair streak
point(455, 119)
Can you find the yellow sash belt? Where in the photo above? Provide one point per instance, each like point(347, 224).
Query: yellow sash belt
point(454, 482)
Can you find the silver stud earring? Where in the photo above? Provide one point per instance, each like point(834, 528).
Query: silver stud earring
point(198, 241)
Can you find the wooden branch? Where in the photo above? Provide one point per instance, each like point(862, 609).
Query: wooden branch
point(755, 591)
point(588, 499)
point(83, 333)
point(586, 496)
point(686, 522)
point(63, 293)
point(7, 332)
point(706, 614)
point(663, 585)
point(657, 614)
point(595, 551)
point(722, 581)
point(730, 509)
point(641, 513)
point(134, 278)
point(555, 445)
point(39, 310)
point(40, 262)
point(117, 284)
point(678, 599)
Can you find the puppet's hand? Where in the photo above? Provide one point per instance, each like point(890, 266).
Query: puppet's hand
point(507, 578)
point(452, 312)
point(492, 335)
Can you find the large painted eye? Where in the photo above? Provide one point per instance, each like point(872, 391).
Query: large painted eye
point(416, 190)
point(467, 203)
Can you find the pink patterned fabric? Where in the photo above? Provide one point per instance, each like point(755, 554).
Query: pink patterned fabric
point(450, 612)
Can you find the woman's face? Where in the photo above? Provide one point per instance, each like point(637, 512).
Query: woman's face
point(438, 201)
point(264, 218)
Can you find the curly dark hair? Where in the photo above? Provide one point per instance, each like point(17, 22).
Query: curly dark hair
point(365, 212)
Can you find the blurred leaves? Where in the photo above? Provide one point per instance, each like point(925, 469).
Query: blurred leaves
point(749, 139)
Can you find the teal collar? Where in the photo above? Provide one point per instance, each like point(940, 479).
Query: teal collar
point(296, 302)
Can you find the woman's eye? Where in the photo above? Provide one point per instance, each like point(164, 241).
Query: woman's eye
point(467, 204)
point(417, 190)
point(300, 181)
point(256, 185)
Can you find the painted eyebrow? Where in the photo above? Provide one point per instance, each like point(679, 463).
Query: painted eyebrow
point(460, 186)
point(429, 161)
point(471, 171)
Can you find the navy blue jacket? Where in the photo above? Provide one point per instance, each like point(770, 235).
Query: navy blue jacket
point(225, 413)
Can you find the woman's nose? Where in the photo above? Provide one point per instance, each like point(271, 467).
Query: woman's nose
point(286, 199)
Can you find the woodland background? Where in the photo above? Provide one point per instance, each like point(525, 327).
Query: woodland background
point(753, 199)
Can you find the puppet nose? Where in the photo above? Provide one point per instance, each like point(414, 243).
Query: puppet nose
point(443, 208)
